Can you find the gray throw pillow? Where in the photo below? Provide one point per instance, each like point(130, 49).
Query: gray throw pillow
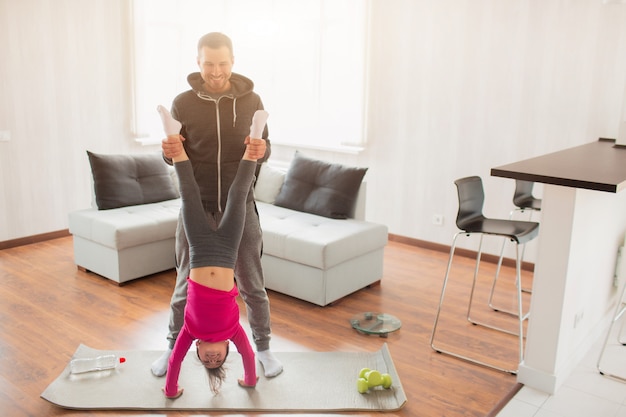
point(320, 187)
point(268, 183)
point(128, 180)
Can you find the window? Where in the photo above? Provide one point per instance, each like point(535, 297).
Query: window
point(307, 59)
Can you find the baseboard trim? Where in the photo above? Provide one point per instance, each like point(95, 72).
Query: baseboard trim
point(33, 239)
point(527, 266)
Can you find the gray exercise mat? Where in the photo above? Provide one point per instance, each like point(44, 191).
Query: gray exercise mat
point(311, 382)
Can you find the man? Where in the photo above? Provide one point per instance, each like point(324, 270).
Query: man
point(216, 115)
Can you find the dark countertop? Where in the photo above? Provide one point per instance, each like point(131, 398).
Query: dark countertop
point(598, 165)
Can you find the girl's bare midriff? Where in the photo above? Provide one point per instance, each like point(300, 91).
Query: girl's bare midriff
point(215, 277)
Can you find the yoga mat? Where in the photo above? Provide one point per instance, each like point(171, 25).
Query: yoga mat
point(310, 382)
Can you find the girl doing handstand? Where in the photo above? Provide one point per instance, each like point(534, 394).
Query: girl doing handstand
point(212, 313)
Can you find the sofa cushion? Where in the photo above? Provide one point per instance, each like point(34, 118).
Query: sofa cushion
point(126, 227)
point(314, 240)
point(128, 180)
point(269, 183)
point(319, 187)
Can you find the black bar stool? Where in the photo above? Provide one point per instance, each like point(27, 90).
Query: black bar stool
point(470, 220)
point(524, 201)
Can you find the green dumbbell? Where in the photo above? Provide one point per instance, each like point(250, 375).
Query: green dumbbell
point(371, 378)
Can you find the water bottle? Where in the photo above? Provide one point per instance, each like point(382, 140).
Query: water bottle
point(99, 363)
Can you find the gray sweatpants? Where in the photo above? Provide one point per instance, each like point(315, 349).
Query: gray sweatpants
point(248, 273)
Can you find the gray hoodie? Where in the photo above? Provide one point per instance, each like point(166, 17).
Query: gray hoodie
point(214, 128)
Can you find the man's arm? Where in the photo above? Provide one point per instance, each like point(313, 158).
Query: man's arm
point(167, 160)
point(171, 147)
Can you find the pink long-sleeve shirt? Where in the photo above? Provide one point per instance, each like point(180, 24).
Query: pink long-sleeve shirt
point(210, 315)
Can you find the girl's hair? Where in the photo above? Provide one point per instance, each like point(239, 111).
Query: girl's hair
point(216, 378)
point(216, 375)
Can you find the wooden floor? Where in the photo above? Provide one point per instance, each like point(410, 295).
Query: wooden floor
point(48, 307)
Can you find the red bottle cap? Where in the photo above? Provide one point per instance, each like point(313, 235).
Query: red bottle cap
point(122, 360)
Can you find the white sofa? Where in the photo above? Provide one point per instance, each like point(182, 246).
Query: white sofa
point(310, 257)
point(125, 243)
point(129, 231)
point(316, 258)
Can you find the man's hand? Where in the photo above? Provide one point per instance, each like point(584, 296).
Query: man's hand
point(256, 147)
point(172, 146)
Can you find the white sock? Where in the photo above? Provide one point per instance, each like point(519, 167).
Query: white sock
point(170, 125)
point(159, 366)
point(271, 365)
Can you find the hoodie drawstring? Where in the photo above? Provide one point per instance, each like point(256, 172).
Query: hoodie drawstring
point(234, 111)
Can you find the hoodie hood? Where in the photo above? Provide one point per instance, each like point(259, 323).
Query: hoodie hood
point(239, 85)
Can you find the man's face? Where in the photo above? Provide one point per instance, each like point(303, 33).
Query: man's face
point(216, 68)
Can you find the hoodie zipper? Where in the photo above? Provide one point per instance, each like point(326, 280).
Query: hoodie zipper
point(219, 156)
point(219, 143)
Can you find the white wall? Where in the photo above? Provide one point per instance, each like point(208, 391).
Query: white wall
point(456, 87)
point(64, 88)
point(459, 87)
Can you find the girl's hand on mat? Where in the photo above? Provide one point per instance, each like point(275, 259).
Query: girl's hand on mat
point(242, 383)
point(173, 397)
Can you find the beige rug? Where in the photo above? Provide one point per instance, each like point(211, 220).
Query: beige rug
point(311, 382)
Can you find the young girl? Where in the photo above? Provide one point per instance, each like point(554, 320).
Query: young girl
point(212, 313)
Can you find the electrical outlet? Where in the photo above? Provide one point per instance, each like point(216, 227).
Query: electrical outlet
point(437, 219)
point(5, 135)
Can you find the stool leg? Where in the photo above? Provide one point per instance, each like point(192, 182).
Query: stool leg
point(499, 267)
point(443, 293)
point(437, 316)
point(619, 311)
point(519, 314)
point(476, 268)
point(621, 333)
